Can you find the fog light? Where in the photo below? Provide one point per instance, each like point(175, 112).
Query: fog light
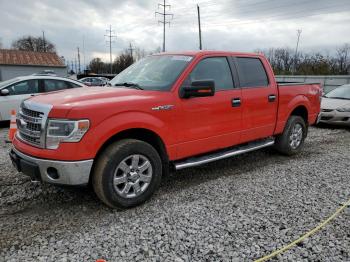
point(52, 173)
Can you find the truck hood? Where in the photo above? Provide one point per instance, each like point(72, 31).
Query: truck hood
point(89, 96)
point(333, 103)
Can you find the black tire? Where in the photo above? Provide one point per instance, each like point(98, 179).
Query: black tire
point(283, 141)
point(108, 162)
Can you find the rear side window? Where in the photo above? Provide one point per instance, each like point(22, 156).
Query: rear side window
point(54, 85)
point(214, 68)
point(251, 72)
point(72, 85)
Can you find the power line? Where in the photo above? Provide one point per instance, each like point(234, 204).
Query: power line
point(110, 35)
point(304, 13)
point(264, 9)
point(164, 22)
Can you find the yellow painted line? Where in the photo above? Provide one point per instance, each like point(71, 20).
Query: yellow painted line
point(311, 232)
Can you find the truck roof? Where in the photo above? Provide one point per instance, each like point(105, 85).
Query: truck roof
point(209, 52)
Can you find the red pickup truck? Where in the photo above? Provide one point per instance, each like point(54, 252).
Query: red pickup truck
point(171, 110)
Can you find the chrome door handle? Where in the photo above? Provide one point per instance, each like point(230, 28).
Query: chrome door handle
point(272, 98)
point(236, 102)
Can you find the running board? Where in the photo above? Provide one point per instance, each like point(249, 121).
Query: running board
point(200, 160)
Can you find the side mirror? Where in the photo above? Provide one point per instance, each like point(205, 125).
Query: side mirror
point(5, 92)
point(200, 88)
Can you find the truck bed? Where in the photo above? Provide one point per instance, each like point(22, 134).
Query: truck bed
point(286, 83)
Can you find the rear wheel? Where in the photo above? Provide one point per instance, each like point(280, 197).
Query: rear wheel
point(127, 173)
point(292, 139)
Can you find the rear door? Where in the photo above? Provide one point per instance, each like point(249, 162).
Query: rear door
point(214, 122)
point(259, 98)
point(17, 93)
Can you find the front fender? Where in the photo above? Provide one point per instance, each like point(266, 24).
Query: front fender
point(131, 120)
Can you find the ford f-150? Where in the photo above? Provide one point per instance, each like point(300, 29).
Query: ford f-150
point(170, 110)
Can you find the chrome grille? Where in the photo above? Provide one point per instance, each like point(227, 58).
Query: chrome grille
point(31, 113)
point(30, 125)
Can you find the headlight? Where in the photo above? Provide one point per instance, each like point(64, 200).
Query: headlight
point(344, 109)
point(65, 131)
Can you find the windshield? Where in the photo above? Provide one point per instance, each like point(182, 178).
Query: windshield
point(8, 82)
point(342, 92)
point(157, 72)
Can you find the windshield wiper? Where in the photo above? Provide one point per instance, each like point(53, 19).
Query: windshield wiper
point(129, 84)
point(336, 97)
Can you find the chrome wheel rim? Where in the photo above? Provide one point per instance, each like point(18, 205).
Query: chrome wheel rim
point(296, 136)
point(132, 176)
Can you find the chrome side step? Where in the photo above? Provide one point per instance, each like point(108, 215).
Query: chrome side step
point(197, 161)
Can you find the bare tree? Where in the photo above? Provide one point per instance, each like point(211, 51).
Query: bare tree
point(97, 66)
point(343, 53)
point(36, 44)
point(139, 53)
point(319, 63)
point(123, 61)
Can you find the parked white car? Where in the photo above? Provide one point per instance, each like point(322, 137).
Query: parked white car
point(14, 91)
point(335, 106)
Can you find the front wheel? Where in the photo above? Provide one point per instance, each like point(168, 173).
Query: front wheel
point(292, 139)
point(127, 173)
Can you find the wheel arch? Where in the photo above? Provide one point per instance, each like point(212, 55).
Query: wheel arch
point(142, 134)
point(302, 111)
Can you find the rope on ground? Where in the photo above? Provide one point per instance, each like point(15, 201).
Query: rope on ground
point(311, 232)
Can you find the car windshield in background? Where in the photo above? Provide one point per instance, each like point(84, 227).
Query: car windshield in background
point(156, 72)
point(342, 92)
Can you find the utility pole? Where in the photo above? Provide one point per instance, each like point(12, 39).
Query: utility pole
point(72, 67)
point(84, 65)
point(44, 42)
point(75, 65)
point(131, 49)
point(296, 51)
point(164, 22)
point(78, 60)
point(110, 35)
point(199, 28)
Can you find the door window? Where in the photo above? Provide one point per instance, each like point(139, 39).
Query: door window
point(55, 85)
point(251, 72)
point(73, 85)
point(24, 87)
point(213, 68)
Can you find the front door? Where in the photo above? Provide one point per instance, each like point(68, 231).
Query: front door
point(17, 93)
point(210, 123)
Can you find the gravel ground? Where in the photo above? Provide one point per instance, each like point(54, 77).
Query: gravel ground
point(233, 210)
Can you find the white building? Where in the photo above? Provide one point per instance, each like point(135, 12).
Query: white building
point(15, 63)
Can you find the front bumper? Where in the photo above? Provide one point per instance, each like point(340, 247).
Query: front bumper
point(335, 117)
point(51, 171)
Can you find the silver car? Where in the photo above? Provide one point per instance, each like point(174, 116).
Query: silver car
point(94, 81)
point(14, 91)
point(335, 106)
